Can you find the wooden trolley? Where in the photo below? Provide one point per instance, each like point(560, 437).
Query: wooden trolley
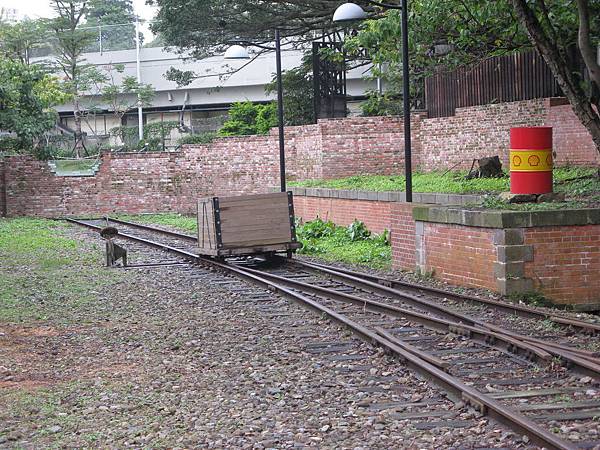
point(247, 225)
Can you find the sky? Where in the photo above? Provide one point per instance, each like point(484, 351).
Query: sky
point(41, 8)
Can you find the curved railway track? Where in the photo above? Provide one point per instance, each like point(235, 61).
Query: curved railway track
point(537, 384)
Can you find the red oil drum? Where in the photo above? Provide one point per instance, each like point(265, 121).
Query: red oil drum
point(531, 160)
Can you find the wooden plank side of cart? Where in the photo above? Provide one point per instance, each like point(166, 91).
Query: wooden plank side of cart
point(248, 224)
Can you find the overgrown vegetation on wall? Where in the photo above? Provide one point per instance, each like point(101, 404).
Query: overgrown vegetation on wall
point(246, 118)
point(353, 244)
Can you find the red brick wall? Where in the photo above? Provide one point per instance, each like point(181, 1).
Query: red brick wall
point(479, 131)
point(460, 255)
point(571, 141)
point(144, 182)
point(475, 132)
point(566, 262)
point(250, 164)
point(374, 214)
point(367, 145)
point(402, 233)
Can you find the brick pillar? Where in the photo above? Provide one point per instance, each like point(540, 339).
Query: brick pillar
point(509, 270)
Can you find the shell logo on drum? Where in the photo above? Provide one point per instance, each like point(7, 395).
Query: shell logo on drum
point(516, 161)
point(533, 160)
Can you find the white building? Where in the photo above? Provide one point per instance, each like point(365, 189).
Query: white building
point(203, 104)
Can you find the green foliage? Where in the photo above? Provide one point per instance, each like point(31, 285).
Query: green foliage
point(26, 94)
point(154, 133)
point(200, 138)
point(451, 182)
point(20, 40)
point(203, 26)
point(353, 244)
point(387, 104)
point(38, 282)
point(316, 229)
point(247, 118)
point(126, 95)
point(112, 12)
point(298, 102)
point(357, 231)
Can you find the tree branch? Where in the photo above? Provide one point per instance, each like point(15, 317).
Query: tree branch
point(585, 46)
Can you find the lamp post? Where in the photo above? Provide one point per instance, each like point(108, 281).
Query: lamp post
point(351, 12)
point(239, 52)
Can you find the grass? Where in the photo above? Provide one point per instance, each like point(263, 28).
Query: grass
point(74, 165)
point(178, 221)
point(453, 182)
point(44, 275)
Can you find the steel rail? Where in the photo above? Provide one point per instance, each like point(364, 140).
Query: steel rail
point(582, 360)
point(522, 311)
point(480, 335)
point(484, 403)
point(578, 361)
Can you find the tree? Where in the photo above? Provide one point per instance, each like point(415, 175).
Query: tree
point(449, 33)
point(203, 27)
point(27, 94)
point(71, 43)
point(20, 41)
point(114, 19)
point(545, 25)
point(443, 35)
point(298, 106)
point(124, 96)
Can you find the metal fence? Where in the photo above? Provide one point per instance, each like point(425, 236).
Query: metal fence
point(520, 76)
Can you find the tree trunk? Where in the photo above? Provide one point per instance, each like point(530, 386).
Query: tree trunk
point(580, 102)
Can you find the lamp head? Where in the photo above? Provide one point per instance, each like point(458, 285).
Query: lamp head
point(349, 12)
point(236, 52)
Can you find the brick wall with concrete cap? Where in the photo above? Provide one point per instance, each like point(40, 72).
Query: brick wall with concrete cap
point(556, 253)
point(373, 208)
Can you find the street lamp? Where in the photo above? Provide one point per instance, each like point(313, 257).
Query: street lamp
point(351, 12)
point(239, 52)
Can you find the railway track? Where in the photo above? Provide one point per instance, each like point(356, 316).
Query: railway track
point(543, 386)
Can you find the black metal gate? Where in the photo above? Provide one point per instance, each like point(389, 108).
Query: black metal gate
point(329, 82)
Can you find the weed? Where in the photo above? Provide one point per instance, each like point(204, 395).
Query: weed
point(532, 298)
point(352, 244)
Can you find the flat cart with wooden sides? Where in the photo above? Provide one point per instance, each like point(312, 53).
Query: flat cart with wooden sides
point(247, 225)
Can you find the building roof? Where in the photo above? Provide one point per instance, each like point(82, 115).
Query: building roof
point(247, 83)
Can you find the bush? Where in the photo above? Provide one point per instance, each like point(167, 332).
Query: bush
point(382, 105)
point(202, 138)
point(246, 118)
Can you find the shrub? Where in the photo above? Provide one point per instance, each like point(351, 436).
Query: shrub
point(246, 118)
point(202, 138)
